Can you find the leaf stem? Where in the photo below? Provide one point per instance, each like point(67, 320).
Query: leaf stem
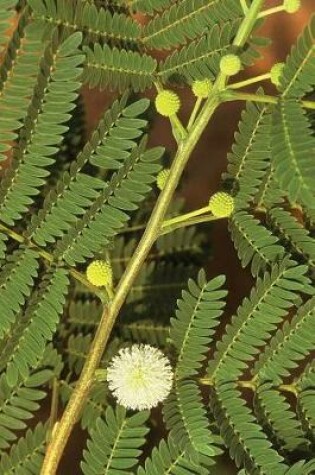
point(248, 82)
point(54, 404)
point(185, 217)
point(194, 113)
point(229, 95)
point(271, 11)
point(76, 403)
point(244, 6)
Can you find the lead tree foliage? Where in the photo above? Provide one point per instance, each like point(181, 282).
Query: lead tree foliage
point(246, 388)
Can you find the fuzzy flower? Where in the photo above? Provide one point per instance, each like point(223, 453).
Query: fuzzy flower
point(140, 377)
point(221, 204)
point(167, 103)
point(202, 88)
point(230, 64)
point(291, 6)
point(100, 273)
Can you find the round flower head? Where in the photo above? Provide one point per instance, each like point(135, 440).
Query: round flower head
point(167, 103)
point(140, 377)
point(202, 89)
point(275, 73)
point(291, 6)
point(230, 64)
point(221, 205)
point(100, 273)
point(162, 177)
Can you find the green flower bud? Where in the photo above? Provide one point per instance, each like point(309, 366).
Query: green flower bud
point(230, 64)
point(221, 204)
point(202, 88)
point(100, 274)
point(167, 103)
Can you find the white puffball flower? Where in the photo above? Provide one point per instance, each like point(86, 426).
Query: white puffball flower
point(140, 377)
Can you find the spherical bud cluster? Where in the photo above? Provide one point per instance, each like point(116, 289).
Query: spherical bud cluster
point(221, 205)
point(167, 103)
point(275, 73)
point(140, 377)
point(100, 274)
point(202, 89)
point(162, 177)
point(230, 64)
point(291, 6)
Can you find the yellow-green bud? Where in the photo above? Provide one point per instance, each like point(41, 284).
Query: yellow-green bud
point(162, 177)
point(291, 6)
point(221, 205)
point(167, 103)
point(275, 73)
point(202, 88)
point(100, 274)
point(230, 64)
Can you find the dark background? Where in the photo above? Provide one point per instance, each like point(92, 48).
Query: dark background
point(203, 177)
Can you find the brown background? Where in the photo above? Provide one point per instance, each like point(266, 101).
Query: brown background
point(203, 175)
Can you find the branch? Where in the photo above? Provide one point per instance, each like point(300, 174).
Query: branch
point(229, 95)
point(76, 403)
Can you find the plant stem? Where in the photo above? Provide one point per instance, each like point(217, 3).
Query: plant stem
point(248, 82)
point(179, 131)
point(244, 6)
point(248, 23)
point(252, 385)
point(271, 11)
point(229, 95)
point(54, 404)
point(205, 218)
point(76, 403)
point(185, 217)
point(194, 113)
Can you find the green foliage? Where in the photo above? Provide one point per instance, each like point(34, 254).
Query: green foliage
point(171, 458)
point(250, 154)
point(266, 307)
point(186, 21)
point(288, 346)
point(298, 76)
point(53, 92)
point(291, 141)
point(18, 73)
point(102, 221)
point(119, 450)
point(244, 379)
point(197, 316)
point(279, 418)
point(248, 444)
point(19, 398)
point(119, 69)
point(254, 243)
point(294, 233)
point(16, 281)
point(27, 455)
point(201, 58)
point(185, 415)
point(79, 15)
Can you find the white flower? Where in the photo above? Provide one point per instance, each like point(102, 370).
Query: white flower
point(140, 377)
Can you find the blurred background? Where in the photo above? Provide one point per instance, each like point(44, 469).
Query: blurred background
point(202, 177)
